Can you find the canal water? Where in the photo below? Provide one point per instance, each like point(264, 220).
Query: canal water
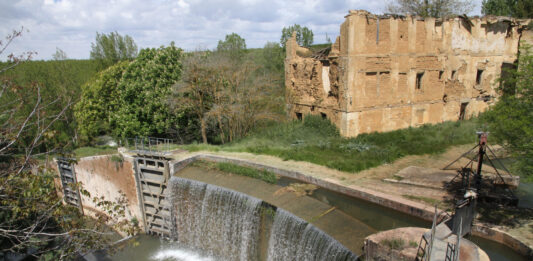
point(346, 219)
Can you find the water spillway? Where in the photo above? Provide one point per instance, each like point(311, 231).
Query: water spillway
point(213, 220)
point(230, 225)
point(293, 237)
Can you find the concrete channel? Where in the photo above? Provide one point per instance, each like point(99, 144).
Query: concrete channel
point(151, 172)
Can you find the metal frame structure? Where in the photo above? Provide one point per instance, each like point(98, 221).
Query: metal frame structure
point(67, 175)
point(152, 175)
point(467, 173)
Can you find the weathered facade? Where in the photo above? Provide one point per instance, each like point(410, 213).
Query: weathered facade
point(390, 72)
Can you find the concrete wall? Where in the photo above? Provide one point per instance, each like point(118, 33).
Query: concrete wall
point(391, 72)
point(102, 177)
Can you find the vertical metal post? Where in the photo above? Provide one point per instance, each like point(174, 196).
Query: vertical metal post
point(432, 238)
point(458, 245)
point(482, 144)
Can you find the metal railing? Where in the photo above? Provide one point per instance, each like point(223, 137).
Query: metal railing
point(149, 145)
point(421, 252)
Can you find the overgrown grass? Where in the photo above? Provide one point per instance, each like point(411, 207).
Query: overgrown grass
point(318, 141)
point(263, 175)
point(394, 243)
point(93, 151)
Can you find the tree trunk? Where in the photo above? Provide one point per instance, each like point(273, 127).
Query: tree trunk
point(203, 126)
point(221, 128)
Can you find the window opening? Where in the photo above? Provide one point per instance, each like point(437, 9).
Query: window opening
point(462, 112)
point(299, 115)
point(419, 77)
point(478, 76)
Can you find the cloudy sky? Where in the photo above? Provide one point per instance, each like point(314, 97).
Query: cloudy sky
point(71, 25)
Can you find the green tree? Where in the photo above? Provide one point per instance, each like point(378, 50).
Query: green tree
point(144, 90)
point(431, 8)
point(110, 48)
point(34, 222)
point(273, 58)
point(304, 35)
point(511, 119)
point(99, 99)
point(59, 82)
point(195, 91)
point(513, 8)
point(233, 44)
point(59, 55)
point(229, 99)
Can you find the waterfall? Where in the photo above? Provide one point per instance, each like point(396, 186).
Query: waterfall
point(229, 225)
point(219, 222)
point(292, 238)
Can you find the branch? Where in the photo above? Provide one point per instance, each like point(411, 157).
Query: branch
point(25, 122)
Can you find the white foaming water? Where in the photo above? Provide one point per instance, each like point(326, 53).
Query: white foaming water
point(215, 220)
point(179, 255)
point(292, 238)
point(226, 224)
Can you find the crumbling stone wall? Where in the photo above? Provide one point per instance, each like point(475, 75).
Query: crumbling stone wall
point(391, 72)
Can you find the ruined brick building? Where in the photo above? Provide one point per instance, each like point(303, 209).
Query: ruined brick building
point(388, 72)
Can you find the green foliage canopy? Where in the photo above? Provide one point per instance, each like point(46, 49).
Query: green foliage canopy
point(111, 48)
point(273, 58)
point(129, 99)
point(431, 8)
point(144, 90)
point(513, 8)
point(233, 44)
point(304, 35)
point(228, 98)
point(34, 222)
point(98, 101)
point(60, 84)
point(511, 119)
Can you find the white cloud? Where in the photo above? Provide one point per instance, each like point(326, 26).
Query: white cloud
point(72, 24)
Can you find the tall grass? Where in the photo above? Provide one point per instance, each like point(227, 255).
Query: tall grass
point(318, 141)
point(263, 175)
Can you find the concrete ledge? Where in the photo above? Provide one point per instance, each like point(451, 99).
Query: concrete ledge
point(502, 237)
point(402, 205)
point(376, 247)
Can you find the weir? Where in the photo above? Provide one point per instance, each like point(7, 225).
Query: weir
point(145, 180)
point(234, 226)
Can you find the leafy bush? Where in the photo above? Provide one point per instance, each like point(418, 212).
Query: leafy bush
point(143, 91)
point(99, 100)
point(511, 119)
point(129, 98)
